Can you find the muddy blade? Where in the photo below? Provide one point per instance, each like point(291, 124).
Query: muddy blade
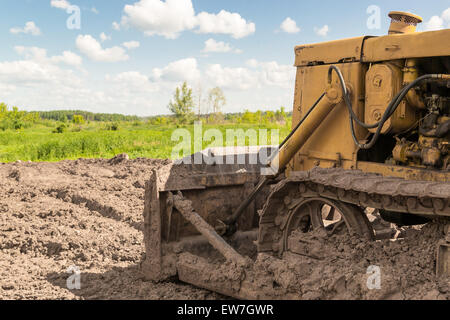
point(200, 273)
point(215, 192)
point(229, 279)
point(443, 259)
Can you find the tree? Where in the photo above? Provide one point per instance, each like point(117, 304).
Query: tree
point(199, 97)
point(281, 115)
point(217, 99)
point(182, 104)
point(78, 119)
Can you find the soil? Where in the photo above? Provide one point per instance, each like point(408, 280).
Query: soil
point(88, 214)
point(84, 213)
point(345, 266)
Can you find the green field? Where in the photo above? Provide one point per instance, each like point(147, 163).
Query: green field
point(39, 143)
point(61, 135)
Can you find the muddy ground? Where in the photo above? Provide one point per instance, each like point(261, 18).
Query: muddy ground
point(88, 214)
point(85, 213)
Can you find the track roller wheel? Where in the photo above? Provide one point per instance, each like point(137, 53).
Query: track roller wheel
point(334, 216)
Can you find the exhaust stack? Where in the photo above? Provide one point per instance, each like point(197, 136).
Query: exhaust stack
point(403, 22)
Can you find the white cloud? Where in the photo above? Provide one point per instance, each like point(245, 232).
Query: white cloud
point(289, 26)
point(181, 70)
point(259, 75)
point(323, 32)
point(225, 23)
point(94, 51)
point(32, 53)
point(30, 28)
point(256, 75)
point(231, 78)
point(131, 45)
point(132, 81)
point(252, 63)
point(104, 37)
point(116, 26)
point(435, 23)
point(40, 55)
point(69, 58)
point(37, 81)
point(212, 45)
point(155, 17)
point(439, 22)
point(446, 15)
point(60, 4)
point(273, 74)
point(134, 77)
point(171, 17)
point(36, 68)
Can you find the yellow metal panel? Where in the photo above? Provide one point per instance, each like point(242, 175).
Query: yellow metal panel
point(408, 173)
point(402, 46)
point(329, 52)
point(383, 82)
point(332, 143)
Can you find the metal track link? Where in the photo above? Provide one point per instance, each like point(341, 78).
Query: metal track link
point(366, 190)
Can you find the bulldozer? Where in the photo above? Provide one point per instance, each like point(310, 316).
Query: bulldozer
point(371, 129)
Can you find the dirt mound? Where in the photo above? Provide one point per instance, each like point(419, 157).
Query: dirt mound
point(85, 214)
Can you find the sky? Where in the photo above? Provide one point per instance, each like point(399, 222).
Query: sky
point(128, 56)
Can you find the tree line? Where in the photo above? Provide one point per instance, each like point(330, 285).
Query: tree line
point(184, 108)
point(71, 115)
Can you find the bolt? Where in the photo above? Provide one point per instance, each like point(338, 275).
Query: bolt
point(377, 115)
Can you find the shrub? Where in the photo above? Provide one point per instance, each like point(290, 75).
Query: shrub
point(78, 119)
point(60, 129)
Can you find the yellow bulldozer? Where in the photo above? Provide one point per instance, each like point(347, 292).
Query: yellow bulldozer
point(371, 129)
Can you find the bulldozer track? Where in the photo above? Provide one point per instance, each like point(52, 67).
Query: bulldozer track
point(366, 190)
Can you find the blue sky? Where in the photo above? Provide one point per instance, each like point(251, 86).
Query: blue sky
point(244, 47)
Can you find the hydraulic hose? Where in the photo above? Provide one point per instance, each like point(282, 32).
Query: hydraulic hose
point(392, 107)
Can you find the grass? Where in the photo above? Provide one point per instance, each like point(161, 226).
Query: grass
point(39, 143)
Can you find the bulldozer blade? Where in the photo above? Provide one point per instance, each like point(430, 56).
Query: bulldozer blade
point(443, 259)
point(214, 191)
point(185, 208)
point(229, 279)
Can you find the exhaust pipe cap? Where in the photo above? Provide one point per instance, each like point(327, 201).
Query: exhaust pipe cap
point(403, 22)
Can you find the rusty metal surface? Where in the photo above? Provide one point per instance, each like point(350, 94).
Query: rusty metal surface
point(214, 192)
point(329, 52)
point(402, 46)
point(367, 190)
point(443, 258)
point(404, 172)
point(185, 208)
